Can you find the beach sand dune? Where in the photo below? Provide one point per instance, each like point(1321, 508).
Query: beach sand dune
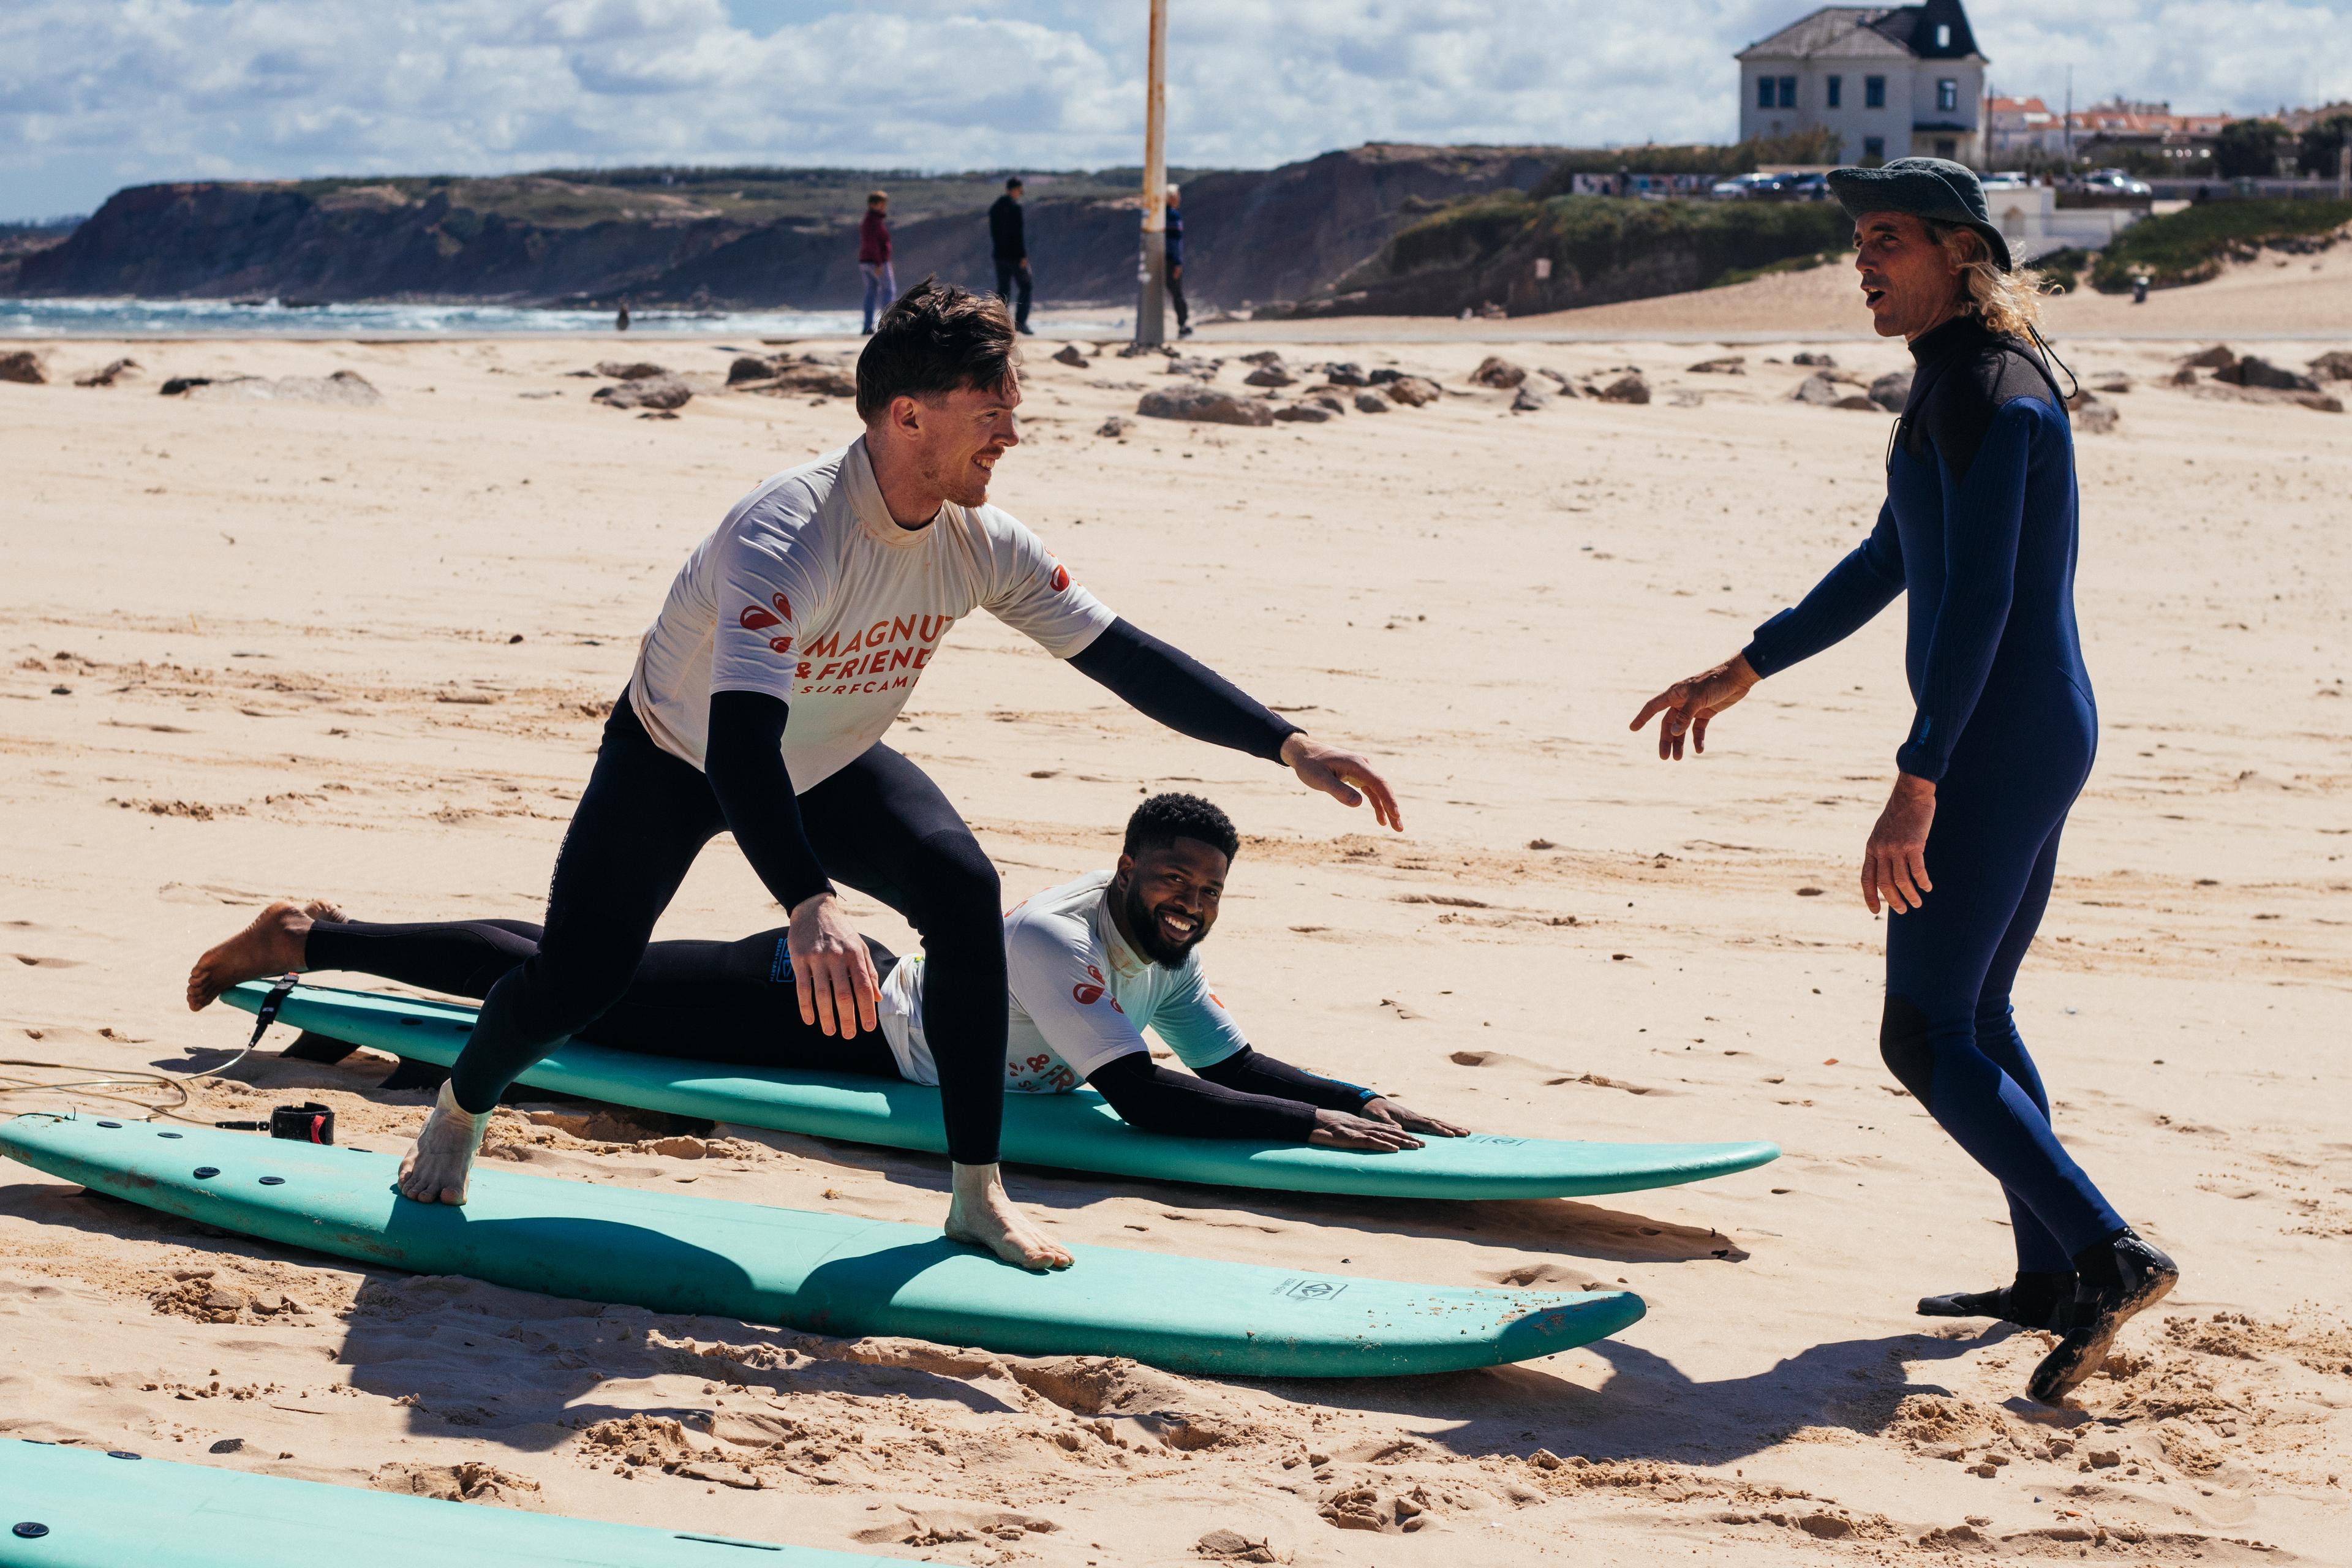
point(255, 649)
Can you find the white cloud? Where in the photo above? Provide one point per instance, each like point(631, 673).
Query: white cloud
point(98, 93)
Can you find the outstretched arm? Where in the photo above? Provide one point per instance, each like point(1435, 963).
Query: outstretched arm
point(1856, 588)
point(1252, 1070)
point(1167, 684)
point(745, 763)
point(1157, 1100)
point(1865, 582)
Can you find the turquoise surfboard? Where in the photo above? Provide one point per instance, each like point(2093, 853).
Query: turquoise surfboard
point(80, 1508)
point(828, 1273)
point(1073, 1132)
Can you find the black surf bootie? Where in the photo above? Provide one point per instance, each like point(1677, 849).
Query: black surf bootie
point(2115, 1281)
point(2030, 1301)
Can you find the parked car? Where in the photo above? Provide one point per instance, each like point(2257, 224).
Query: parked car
point(2115, 182)
point(1740, 186)
point(1808, 188)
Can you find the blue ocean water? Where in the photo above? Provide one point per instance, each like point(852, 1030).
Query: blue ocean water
point(221, 318)
point(225, 319)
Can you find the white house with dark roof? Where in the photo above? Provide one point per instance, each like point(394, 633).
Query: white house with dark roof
point(1890, 82)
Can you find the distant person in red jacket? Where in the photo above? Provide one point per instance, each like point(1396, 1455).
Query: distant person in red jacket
point(874, 256)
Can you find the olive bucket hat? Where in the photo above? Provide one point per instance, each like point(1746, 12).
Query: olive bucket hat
point(1932, 188)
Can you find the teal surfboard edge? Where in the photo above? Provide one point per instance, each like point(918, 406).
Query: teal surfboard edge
point(1068, 1132)
point(828, 1273)
point(94, 1509)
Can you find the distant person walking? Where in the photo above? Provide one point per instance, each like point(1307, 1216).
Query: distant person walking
point(1010, 245)
point(621, 321)
point(874, 256)
point(1176, 260)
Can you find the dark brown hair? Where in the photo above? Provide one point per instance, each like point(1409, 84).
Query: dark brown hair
point(936, 338)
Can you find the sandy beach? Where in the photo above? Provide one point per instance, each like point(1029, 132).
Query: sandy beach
point(261, 649)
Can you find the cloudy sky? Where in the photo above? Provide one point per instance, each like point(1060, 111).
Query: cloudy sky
point(96, 94)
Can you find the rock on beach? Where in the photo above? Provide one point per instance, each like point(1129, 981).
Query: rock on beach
point(1204, 404)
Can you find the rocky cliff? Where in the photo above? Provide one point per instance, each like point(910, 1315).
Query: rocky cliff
point(744, 238)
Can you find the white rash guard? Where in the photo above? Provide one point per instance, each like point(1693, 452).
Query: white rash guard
point(810, 592)
point(1080, 997)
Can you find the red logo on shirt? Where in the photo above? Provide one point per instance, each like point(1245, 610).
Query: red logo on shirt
point(784, 606)
point(781, 644)
point(1061, 578)
point(1087, 995)
point(755, 619)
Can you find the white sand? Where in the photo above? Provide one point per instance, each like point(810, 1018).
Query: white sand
point(258, 612)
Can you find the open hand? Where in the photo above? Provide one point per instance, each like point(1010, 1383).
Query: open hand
point(1382, 1108)
point(1894, 862)
point(1689, 704)
point(831, 968)
point(1364, 1134)
point(1343, 775)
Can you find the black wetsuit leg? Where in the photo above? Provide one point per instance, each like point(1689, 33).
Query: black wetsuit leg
point(728, 1002)
point(642, 819)
point(735, 1002)
point(1990, 853)
point(2038, 1251)
point(881, 826)
point(464, 958)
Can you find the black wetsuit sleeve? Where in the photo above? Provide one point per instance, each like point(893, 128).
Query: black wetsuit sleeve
point(1167, 684)
point(745, 763)
point(1856, 588)
point(1153, 1098)
point(1251, 1071)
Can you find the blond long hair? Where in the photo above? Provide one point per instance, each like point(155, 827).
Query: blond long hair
point(2007, 302)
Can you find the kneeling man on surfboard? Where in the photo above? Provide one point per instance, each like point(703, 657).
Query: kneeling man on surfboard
point(789, 642)
point(1093, 964)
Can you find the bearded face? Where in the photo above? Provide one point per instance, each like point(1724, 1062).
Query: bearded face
point(1166, 899)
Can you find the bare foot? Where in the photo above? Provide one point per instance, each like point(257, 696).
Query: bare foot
point(272, 944)
point(984, 1215)
point(325, 910)
point(437, 1169)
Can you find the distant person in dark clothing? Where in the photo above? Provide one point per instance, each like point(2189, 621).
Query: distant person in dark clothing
point(874, 256)
point(1011, 250)
point(1176, 260)
point(621, 321)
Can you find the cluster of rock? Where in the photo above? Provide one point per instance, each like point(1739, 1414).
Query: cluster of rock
point(344, 387)
point(1830, 388)
point(658, 392)
point(1266, 395)
point(2257, 379)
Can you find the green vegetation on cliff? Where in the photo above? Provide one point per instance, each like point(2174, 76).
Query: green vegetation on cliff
point(1816, 145)
point(2194, 244)
point(1599, 249)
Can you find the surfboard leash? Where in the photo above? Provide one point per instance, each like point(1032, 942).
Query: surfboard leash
point(149, 1083)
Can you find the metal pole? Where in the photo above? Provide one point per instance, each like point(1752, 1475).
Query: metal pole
point(1151, 273)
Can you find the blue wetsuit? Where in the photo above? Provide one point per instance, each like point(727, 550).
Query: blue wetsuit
point(1981, 527)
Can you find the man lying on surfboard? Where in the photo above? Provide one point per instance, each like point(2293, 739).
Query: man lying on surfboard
point(1091, 964)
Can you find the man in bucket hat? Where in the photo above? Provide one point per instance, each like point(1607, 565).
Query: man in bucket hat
point(1980, 528)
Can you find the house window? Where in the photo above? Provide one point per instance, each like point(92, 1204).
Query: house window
point(1873, 149)
point(1948, 94)
point(1943, 35)
point(1788, 92)
point(1763, 92)
point(1836, 90)
point(1874, 92)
